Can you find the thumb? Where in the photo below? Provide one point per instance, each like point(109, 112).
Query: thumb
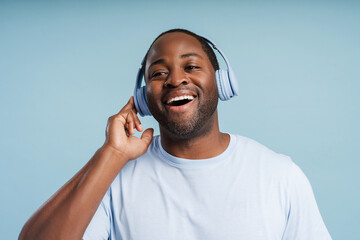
point(147, 136)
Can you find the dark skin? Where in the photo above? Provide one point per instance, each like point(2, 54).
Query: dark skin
point(177, 65)
point(68, 212)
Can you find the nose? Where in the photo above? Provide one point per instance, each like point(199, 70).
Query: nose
point(176, 78)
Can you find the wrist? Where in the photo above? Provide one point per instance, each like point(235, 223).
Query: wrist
point(112, 150)
point(112, 156)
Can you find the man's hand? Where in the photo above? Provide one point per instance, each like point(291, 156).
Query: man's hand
point(120, 129)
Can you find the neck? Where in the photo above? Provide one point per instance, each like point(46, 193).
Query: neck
point(208, 142)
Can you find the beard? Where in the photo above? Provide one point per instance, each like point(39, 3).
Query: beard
point(192, 127)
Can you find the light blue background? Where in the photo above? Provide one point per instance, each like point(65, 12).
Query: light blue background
point(66, 66)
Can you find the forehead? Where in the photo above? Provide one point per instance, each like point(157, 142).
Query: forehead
point(174, 44)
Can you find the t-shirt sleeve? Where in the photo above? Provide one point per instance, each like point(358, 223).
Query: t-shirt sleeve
point(99, 227)
point(304, 219)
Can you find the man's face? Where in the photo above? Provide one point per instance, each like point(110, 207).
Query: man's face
point(180, 84)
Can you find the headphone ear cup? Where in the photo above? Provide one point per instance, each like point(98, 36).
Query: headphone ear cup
point(218, 83)
point(140, 99)
point(227, 84)
point(222, 81)
point(141, 102)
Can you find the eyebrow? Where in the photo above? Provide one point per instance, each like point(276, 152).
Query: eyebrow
point(191, 55)
point(161, 60)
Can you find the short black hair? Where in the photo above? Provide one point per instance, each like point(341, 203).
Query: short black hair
point(204, 44)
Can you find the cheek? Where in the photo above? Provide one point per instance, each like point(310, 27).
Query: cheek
point(153, 93)
point(211, 86)
point(215, 88)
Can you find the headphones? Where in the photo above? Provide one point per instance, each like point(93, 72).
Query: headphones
point(225, 79)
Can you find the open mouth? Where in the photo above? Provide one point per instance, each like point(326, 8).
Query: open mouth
point(180, 100)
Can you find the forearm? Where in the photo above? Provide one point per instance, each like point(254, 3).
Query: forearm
point(68, 212)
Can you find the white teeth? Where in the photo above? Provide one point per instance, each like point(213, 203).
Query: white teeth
point(180, 98)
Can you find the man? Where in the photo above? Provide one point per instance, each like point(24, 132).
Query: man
point(192, 181)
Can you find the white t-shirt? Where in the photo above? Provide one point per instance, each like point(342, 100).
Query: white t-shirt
point(247, 192)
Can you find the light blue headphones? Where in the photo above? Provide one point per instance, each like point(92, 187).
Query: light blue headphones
point(225, 80)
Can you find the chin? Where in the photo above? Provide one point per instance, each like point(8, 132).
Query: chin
point(181, 130)
point(196, 126)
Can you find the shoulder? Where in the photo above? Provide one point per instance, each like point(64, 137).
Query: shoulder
point(253, 152)
point(269, 164)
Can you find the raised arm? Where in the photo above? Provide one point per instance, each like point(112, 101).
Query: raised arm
point(68, 212)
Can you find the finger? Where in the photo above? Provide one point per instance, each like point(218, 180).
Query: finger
point(138, 125)
point(147, 136)
point(129, 105)
point(130, 122)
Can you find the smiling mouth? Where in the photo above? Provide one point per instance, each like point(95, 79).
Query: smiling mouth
point(180, 100)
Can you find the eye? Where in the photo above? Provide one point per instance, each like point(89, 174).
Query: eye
point(158, 74)
point(191, 67)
